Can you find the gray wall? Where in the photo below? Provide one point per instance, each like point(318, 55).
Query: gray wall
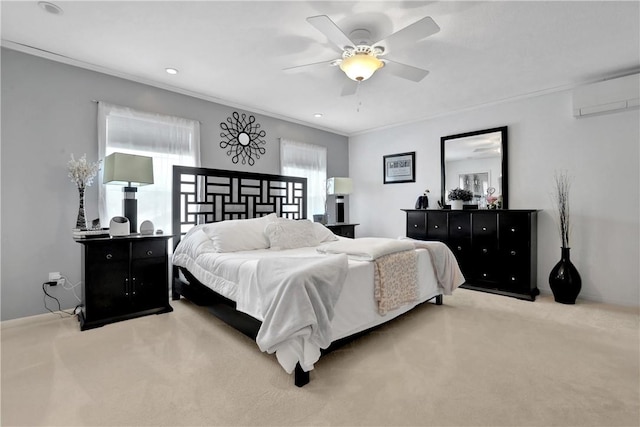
point(47, 114)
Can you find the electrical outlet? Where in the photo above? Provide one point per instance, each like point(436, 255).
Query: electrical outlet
point(56, 277)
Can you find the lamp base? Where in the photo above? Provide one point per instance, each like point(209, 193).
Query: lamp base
point(339, 209)
point(130, 208)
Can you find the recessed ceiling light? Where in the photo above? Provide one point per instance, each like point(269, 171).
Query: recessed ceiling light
point(171, 70)
point(317, 115)
point(50, 7)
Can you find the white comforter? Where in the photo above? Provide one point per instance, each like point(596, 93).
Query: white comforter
point(297, 296)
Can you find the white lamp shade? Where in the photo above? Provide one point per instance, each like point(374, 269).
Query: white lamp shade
point(128, 169)
point(339, 186)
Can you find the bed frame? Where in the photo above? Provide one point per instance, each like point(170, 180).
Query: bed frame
point(203, 195)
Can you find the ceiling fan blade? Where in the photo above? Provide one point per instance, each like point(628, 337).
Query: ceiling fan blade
point(410, 34)
point(326, 26)
point(349, 87)
point(404, 71)
point(309, 67)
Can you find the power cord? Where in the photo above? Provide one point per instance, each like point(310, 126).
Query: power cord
point(71, 288)
point(47, 294)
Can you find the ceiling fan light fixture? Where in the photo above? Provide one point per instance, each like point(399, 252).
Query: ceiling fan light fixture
point(360, 66)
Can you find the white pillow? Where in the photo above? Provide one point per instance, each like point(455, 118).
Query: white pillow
point(239, 234)
point(291, 234)
point(323, 233)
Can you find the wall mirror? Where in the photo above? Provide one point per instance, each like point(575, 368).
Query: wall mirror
point(476, 161)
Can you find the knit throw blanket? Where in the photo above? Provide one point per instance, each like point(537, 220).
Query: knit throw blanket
point(395, 280)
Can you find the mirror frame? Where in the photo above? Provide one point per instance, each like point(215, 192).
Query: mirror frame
point(505, 176)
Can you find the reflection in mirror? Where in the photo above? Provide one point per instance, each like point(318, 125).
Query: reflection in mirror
point(476, 161)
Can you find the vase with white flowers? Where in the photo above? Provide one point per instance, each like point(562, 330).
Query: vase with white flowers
point(564, 279)
point(82, 173)
point(458, 196)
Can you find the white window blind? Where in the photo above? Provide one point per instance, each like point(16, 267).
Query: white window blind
point(168, 140)
point(309, 161)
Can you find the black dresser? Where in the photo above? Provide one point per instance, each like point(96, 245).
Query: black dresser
point(496, 249)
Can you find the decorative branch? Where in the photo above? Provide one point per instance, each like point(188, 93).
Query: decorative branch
point(561, 198)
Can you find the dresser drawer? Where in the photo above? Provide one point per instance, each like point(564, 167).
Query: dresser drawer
point(514, 228)
point(515, 280)
point(516, 254)
point(437, 225)
point(485, 226)
point(459, 225)
point(461, 248)
point(417, 225)
point(485, 273)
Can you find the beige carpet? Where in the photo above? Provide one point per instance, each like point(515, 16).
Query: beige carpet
point(480, 359)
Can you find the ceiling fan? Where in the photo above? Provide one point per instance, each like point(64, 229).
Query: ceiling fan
point(361, 58)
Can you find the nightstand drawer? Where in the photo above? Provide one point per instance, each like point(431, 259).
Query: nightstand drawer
point(109, 252)
point(148, 249)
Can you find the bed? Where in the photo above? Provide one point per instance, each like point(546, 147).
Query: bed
point(245, 250)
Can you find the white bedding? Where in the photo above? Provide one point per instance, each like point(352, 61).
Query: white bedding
point(356, 310)
point(297, 298)
point(365, 248)
point(337, 299)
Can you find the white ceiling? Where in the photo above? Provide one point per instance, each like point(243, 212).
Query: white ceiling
point(234, 52)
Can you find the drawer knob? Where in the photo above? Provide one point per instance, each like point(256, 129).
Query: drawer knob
point(415, 225)
point(484, 274)
point(109, 256)
point(513, 252)
point(149, 252)
point(459, 228)
point(484, 250)
point(459, 248)
point(484, 228)
point(435, 226)
point(513, 278)
point(513, 230)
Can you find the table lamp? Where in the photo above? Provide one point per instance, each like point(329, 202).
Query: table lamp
point(131, 171)
point(339, 187)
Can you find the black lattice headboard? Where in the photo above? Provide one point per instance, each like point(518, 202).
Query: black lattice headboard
point(203, 195)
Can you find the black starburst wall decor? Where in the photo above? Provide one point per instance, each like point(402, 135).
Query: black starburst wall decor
point(243, 138)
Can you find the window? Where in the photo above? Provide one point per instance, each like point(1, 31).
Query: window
point(309, 161)
point(169, 140)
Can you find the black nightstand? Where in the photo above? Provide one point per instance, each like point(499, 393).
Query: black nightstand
point(344, 230)
point(123, 278)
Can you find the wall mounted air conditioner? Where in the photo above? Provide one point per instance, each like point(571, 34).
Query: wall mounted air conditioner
point(607, 96)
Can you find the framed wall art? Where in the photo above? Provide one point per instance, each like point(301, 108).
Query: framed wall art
point(398, 168)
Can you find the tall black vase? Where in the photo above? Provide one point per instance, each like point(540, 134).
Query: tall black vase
point(565, 280)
